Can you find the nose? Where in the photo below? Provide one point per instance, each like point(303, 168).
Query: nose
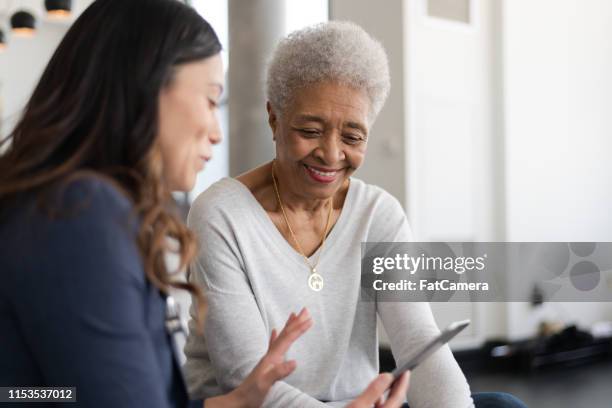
point(330, 150)
point(215, 135)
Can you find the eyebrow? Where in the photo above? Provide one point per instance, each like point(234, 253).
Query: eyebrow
point(314, 118)
point(358, 126)
point(310, 118)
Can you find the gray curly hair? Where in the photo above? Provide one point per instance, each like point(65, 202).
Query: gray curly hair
point(336, 51)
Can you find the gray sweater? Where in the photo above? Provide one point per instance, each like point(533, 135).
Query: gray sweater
point(253, 279)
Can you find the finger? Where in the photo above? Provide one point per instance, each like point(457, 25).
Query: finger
point(290, 319)
point(294, 328)
point(273, 337)
point(300, 316)
point(284, 341)
point(399, 389)
point(278, 372)
point(303, 313)
point(289, 334)
point(375, 390)
point(281, 344)
point(293, 322)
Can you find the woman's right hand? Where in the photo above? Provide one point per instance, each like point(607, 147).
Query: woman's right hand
point(374, 394)
point(271, 368)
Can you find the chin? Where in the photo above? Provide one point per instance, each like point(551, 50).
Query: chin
point(324, 191)
point(188, 186)
point(185, 185)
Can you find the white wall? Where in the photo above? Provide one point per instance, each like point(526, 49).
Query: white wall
point(559, 99)
point(558, 86)
point(451, 124)
point(24, 59)
point(21, 65)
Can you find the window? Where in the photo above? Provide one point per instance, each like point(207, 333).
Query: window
point(454, 10)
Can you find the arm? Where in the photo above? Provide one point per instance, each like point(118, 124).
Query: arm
point(438, 381)
point(83, 311)
point(235, 335)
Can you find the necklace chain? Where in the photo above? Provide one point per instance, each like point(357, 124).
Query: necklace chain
point(313, 268)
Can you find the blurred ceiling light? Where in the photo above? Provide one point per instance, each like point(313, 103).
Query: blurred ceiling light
point(23, 24)
point(58, 8)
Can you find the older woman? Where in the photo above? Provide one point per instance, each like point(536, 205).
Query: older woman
point(288, 233)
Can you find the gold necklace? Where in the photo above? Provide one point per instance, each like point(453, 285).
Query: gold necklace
point(315, 280)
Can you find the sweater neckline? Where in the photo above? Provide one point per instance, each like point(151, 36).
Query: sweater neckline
point(283, 245)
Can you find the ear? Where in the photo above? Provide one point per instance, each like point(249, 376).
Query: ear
point(272, 119)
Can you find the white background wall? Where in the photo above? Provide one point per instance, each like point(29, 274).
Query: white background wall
point(24, 59)
point(558, 98)
point(21, 65)
point(506, 128)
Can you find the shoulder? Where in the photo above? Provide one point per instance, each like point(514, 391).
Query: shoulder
point(88, 199)
point(89, 202)
point(91, 208)
point(226, 197)
point(384, 214)
point(86, 228)
point(101, 193)
point(374, 200)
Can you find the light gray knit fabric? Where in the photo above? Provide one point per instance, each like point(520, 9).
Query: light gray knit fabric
point(253, 279)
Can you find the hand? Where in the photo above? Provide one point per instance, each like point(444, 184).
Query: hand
point(374, 394)
point(271, 368)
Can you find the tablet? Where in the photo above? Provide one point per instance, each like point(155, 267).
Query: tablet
point(447, 334)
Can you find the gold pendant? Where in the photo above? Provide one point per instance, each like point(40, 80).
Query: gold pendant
point(315, 281)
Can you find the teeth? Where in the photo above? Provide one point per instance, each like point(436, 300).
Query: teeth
point(322, 173)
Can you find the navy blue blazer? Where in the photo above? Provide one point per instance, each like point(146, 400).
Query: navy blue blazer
point(76, 309)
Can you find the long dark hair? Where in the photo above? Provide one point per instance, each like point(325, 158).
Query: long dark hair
point(95, 110)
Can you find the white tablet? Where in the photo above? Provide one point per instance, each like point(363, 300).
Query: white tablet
point(447, 334)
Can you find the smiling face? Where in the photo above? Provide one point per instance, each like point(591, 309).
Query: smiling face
point(321, 138)
point(188, 123)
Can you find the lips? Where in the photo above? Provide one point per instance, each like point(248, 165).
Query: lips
point(322, 175)
point(202, 162)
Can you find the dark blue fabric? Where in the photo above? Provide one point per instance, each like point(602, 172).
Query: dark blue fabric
point(76, 309)
point(496, 400)
point(493, 400)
